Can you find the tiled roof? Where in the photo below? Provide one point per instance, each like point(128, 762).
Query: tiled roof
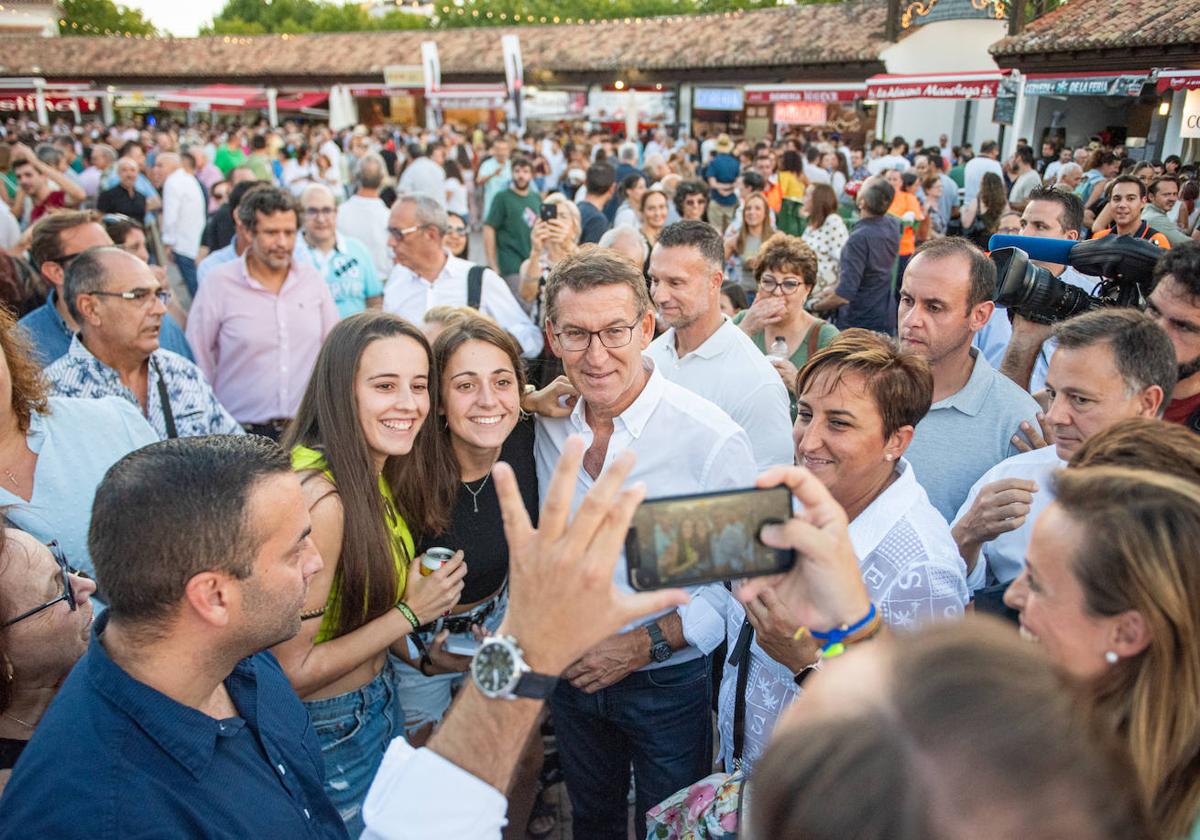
point(1107, 24)
point(790, 36)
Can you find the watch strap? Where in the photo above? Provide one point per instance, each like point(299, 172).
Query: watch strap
point(656, 634)
point(535, 686)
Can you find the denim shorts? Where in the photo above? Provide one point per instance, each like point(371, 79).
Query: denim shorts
point(354, 730)
point(426, 699)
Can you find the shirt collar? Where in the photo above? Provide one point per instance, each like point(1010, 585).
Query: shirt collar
point(713, 346)
point(186, 734)
point(870, 527)
point(635, 417)
point(55, 314)
point(971, 398)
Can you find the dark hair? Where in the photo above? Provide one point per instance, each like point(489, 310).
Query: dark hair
point(1070, 207)
point(599, 178)
point(981, 284)
point(1141, 350)
point(877, 195)
point(792, 162)
point(258, 142)
point(736, 295)
point(971, 723)
point(268, 201)
point(898, 380)
point(1162, 179)
point(239, 192)
point(784, 251)
point(589, 268)
point(822, 204)
point(1025, 154)
point(629, 182)
point(142, 564)
point(87, 273)
point(24, 371)
point(328, 421)
point(119, 227)
point(689, 188)
point(1127, 179)
point(450, 167)
point(45, 243)
point(754, 182)
point(1148, 443)
point(462, 255)
point(519, 162)
point(693, 233)
point(988, 146)
point(1183, 263)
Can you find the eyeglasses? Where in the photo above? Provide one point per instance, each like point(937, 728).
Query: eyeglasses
point(400, 233)
point(457, 231)
point(138, 295)
point(319, 211)
point(68, 593)
point(64, 261)
point(114, 218)
point(695, 202)
point(769, 284)
point(611, 337)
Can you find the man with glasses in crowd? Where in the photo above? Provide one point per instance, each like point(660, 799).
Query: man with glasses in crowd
point(342, 260)
point(56, 241)
point(425, 275)
point(120, 305)
point(257, 323)
point(641, 697)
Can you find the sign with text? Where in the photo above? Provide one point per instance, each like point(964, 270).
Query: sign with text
point(1129, 84)
point(800, 113)
point(717, 99)
point(27, 103)
point(1189, 126)
point(403, 75)
point(826, 95)
point(917, 89)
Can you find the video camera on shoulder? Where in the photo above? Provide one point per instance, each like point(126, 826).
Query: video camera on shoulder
point(1124, 264)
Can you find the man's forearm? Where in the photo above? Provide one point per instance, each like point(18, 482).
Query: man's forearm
point(489, 247)
point(1019, 360)
point(829, 302)
point(486, 737)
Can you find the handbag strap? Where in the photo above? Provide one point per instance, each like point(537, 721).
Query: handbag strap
point(740, 659)
point(814, 336)
point(165, 401)
point(474, 286)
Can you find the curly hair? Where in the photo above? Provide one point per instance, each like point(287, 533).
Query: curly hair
point(783, 251)
point(28, 384)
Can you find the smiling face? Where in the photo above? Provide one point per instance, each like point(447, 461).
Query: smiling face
point(274, 238)
point(683, 286)
point(754, 211)
point(480, 396)
point(608, 378)
point(391, 388)
point(43, 647)
point(654, 210)
point(1127, 203)
point(1051, 601)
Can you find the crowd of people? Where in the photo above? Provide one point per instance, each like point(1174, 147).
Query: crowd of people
point(318, 452)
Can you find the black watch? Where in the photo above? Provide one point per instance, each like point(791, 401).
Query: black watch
point(499, 671)
point(660, 650)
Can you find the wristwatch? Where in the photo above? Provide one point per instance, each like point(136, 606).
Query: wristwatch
point(499, 671)
point(660, 650)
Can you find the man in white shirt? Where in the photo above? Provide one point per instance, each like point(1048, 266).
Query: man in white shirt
point(1026, 180)
point(425, 275)
point(988, 160)
point(364, 215)
point(812, 166)
point(425, 174)
point(895, 159)
point(642, 697)
point(101, 161)
point(704, 352)
point(183, 214)
point(1111, 364)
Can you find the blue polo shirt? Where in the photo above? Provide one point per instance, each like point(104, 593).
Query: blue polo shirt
point(112, 757)
point(51, 337)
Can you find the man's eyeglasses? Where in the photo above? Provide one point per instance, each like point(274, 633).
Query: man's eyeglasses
point(400, 233)
point(138, 295)
point(314, 212)
point(114, 218)
point(768, 283)
point(64, 261)
point(611, 337)
point(68, 593)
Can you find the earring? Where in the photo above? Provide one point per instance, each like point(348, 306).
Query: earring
point(1111, 657)
point(889, 457)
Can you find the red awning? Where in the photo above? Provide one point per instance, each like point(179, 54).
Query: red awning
point(375, 90)
point(18, 101)
point(214, 97)
point(815, 92)
point(291, 101)
point(981, 84)
point(1178, 80)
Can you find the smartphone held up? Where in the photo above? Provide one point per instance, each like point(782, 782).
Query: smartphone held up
point(708, 537)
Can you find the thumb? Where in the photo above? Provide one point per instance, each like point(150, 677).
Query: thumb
point(636, 605)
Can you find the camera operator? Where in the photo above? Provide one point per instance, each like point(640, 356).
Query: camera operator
point(1050, 214)
point(1111, 364)
point(1175, 304)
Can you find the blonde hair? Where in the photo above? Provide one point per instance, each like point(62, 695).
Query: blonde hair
point(1141, 529)
point(447, 315)
point(567, 208)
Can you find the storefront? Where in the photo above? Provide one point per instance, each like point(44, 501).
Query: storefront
point(619, 109)
point(1074, 108)
point(1179, 104)
point(723, 109)
point(25, 96)
point(835, 106)
point(960, 105)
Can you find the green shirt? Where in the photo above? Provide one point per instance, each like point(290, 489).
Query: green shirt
point(958, 174)
point(227, 159)
point(827, 333)
point(261, 167)
point(512, 217)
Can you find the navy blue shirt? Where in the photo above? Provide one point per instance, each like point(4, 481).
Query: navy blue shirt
point(51, 336)
point(865, 275)
point(594, 223)
point(725, 168)
point(112, 757)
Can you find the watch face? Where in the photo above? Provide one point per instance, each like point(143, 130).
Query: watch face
point(493, 667)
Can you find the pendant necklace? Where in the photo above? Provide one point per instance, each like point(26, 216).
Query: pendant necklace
point(475, 493)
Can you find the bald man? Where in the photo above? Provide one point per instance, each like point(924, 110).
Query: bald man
point(183, 214)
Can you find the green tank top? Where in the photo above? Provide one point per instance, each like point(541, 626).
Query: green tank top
point(303, 459)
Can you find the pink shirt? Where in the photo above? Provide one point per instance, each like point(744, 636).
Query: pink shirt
point(255, 347)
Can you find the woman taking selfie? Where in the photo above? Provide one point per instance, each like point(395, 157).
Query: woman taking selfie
point(359, 434)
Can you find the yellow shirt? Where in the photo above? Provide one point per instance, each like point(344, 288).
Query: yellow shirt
point(304, 458)
point(792, 186)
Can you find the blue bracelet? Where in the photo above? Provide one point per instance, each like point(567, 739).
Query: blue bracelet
point(839, 634)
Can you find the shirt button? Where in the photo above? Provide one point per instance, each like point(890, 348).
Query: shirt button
point(307, 816)
point(282, 770)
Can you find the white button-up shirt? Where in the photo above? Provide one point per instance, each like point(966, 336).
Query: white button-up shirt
point(729, 371)
point(913, 573)
point(684, 444)
point(1004, 557)
point(183, 213)
point(410, 296)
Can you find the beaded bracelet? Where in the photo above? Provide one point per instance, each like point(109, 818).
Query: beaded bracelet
point(834, 640)
point(407, 612)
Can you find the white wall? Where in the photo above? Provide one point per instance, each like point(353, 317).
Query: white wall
point(950, 46)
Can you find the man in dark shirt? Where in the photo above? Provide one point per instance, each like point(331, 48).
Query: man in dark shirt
point(863, 297)
point(123, 198)
point(175, 723)
point(601, 183)
point(221, 229)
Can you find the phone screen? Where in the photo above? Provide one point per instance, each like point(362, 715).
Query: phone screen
point(685, 540)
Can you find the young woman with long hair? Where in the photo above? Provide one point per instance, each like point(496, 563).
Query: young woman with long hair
point(363, 451)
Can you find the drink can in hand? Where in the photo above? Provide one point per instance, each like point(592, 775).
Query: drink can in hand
point(434, 559)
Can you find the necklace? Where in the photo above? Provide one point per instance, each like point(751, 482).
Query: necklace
point(475, 493)
point(11, 477)
point(18, 720)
